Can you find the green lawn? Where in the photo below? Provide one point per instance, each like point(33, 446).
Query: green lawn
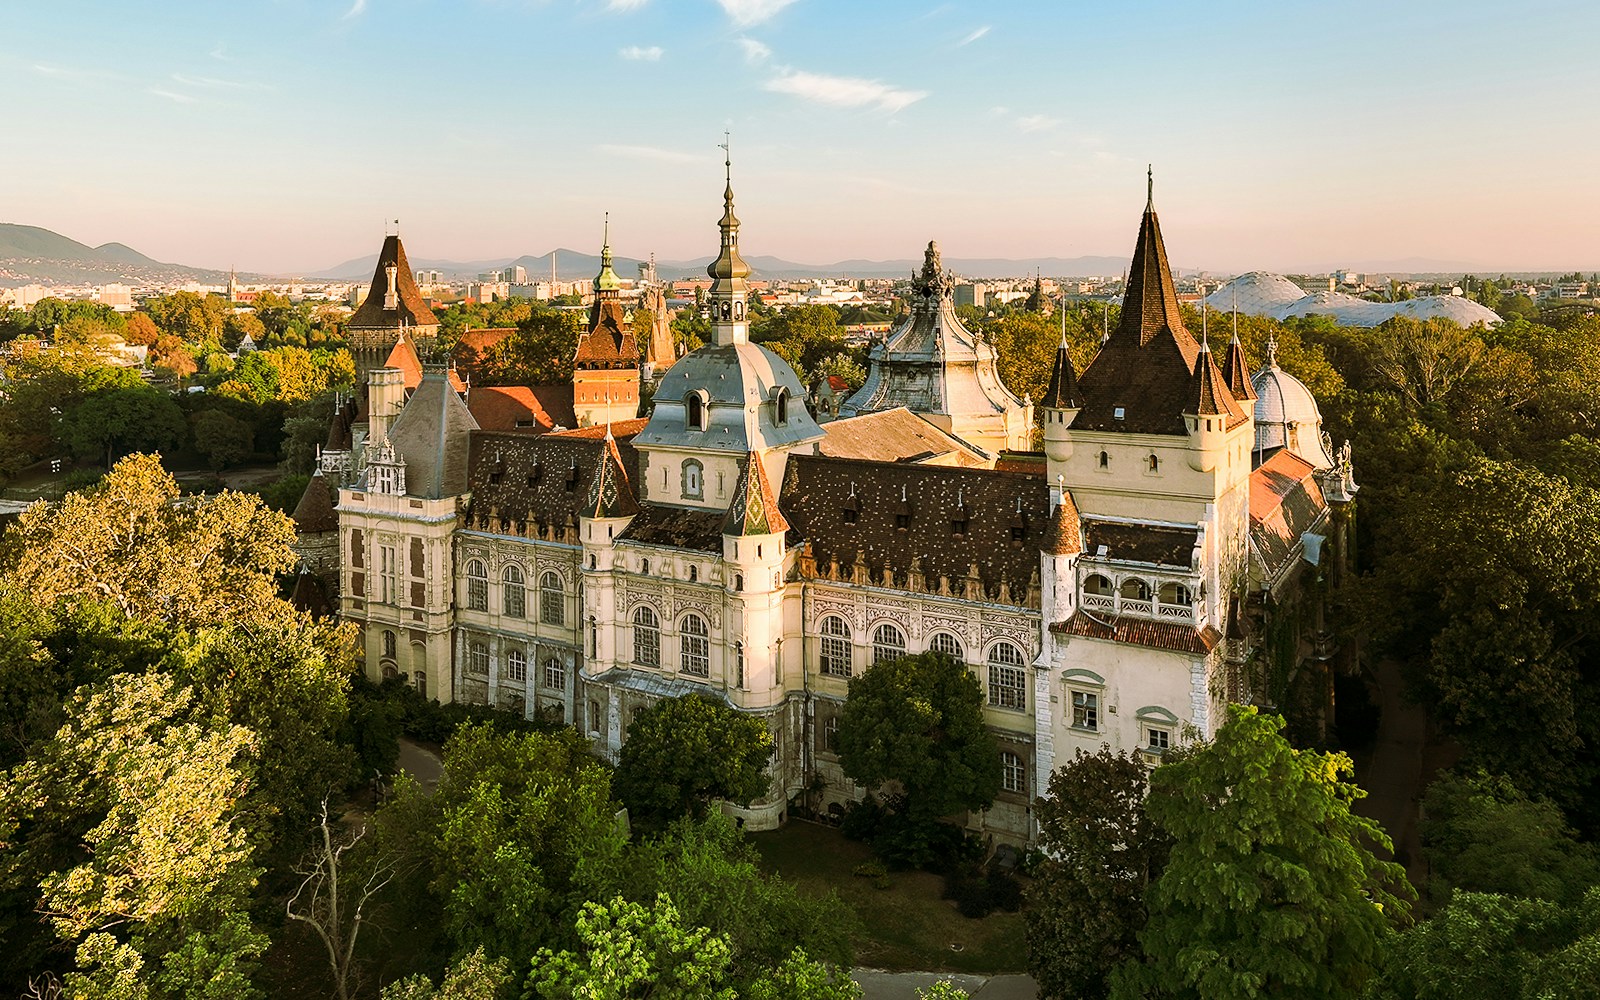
point(906, 927)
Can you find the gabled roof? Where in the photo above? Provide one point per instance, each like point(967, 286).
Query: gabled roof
point(431, 434)
point(1146, 366)
point(509, 408)
point(411, 309)
point(1285, 503)
point(754, 507)
point(314, 513)
point(339, 437)
point(403, 355)
point(896, 435)
point(610, 495)
point(623, 430)
point(483, 338)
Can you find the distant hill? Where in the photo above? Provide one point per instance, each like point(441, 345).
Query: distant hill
point(30, 254)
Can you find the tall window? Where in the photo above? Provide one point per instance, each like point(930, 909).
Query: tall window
point(835, 647)
point(1013, 776)
point(388, 574)
point(695, 411)
point(695, 646)
point(738, 665)
point(830, 734)
point(517, 666)
point(780, 407)
point(888, 643)
point(693, 479)
point(552, 600)
point(388, 644)
point(477, 586)
point(947, 644)
point(595, 719)
point(514, 592)
point(646, 637)
point(478, 659)
point(1008, 682)
point(555, 674)
point(1085, 710)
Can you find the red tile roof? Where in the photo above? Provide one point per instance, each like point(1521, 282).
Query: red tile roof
point(621, 429)
point(1141, 632)
point(1285, 502)
point(509, 408)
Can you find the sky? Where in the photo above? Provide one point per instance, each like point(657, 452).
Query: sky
point(281, 135)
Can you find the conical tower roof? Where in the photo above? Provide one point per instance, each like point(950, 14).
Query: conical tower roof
point(1210, 395)
point(410, 308)
point(1236, 371)
point(1065, 536)
point(315, 512)
point(1063, 391)
point(754, 507)
point(610, 495)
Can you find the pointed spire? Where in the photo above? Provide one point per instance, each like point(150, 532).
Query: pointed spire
point(1236, 369)
point(606, 280)
point(609, 492)
point(1150, 187)
point(1150, 302)
point(753, 510)
point(1063, 391)
point(1064, 536)
point(728, 292)
point(1209, 394)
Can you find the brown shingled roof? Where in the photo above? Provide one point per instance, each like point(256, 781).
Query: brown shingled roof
point(1210, 396)
point(1141, 632)
point(315, 511)
point(1146, 367)
point(609, 342)
point(1066, 529)
point(543, 479)
point(411, 309)
point(610, 494)
point(1236, 371)
point(754, 507)
point(679, 527)
point(1155, 544)
point(1063, 391)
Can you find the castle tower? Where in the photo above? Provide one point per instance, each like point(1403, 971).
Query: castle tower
point(753, 547)
point(394, 305)
point(605, 370)
point(1060, 403)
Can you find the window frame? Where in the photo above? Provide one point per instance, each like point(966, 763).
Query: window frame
point(835, 647)
point(1089, 709)
point(694, 646)
point(477, 585)
point(646, 636)
point(882, 651)
point(517, 666)
point(478, 658)
point(513, 591)
point(960, 653)
point(552, 598)
point(554, 674)
point(1013, 772)
point(1012, 697)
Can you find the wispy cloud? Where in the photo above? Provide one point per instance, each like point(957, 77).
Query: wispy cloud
point(72, 74)
point(214, 83)
point(174, 96)
point(754, 51)
point(974, 36)
point(220, 52)
point(356, 9)
point(653, 153)
point(1036, 123)
point(641, 54)
point(625, 5)
point(844, 91)
point(747, 12)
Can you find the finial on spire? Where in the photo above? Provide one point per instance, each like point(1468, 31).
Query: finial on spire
point(605, 233)
point(1205, 341)
point(1272, 350)
point(1149, 187)
point(1235, 314)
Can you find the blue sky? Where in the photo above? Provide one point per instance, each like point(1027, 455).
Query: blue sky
point(279, 134)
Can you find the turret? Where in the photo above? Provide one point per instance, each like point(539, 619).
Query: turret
point(605, 369)
point(1061, 402)
point(753, 549)
point(1058, 560)
point(386, 394)
point(1211, 408)
point(608, 507)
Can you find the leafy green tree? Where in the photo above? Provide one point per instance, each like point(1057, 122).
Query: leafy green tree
point(1483, 834)
point(222, 439)
point(114, 422)
point(842, 366)
point(629, 950)
point(1099, 854)
point(474, 977)
point(1271, 888)
point(683, 753)
point(917, 722)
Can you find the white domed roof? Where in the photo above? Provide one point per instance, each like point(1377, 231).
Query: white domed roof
point(1459, 308)
point(734, 381)
point(1287, 415)
point(1345, 310)
point(1257, 294)
point(1262, 294)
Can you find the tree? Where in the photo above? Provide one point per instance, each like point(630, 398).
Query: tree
point(629, 950)
point(475, 977)
point(113, 422)
point(917, 722)
point(1271, 888)
point(141, 330)
point(1099, 854)
point(221, 438)
point(842, 366)
point(683, 753)
point(129, 541)
point(334, 893)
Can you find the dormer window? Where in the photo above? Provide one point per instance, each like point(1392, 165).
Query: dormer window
point(902, 522)
point(1119, 413)
point(851, 515)
point(958, 524)
point(695, 412)
point(780, 407)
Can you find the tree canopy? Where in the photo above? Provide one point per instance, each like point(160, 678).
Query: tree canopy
point(682, 753)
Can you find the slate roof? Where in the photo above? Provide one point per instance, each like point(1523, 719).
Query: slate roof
point(905, 518)
point(411, 308)
point(896, 435)
point(691, 528)
point(339, 437)
point(1285, 503)
point(1062, 393)
point(431, 434)
point(543, 479)
point(1141, 632)
point(315, 511)
point(754, 507)
point(1146, 367)
point(1155, 544)
point(1211, 396)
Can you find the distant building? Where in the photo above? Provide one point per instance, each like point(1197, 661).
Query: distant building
point(972, 293)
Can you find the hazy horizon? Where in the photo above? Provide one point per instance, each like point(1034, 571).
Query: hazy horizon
point(280, 137)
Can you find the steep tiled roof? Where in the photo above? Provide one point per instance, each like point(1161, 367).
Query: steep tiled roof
point(541, 479)
point(936, 520)
point(1146, 367)
point(410, 310)
point(1210, 395)
point(1236, 371)
point(610, 494)
point(609, 342)
point(339, 438)
point(508, 408)
point(431, 434)
point(1285, 503)
point(621, 429)
point(1141, 632)
point(1066, 529)
point(680, 527)
point(1062, 393)
point(314, 513)
point(403, 355)
point(1156, 544)
point(754, 507)
point(896, 435)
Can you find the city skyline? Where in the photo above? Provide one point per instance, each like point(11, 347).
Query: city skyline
point(279, 137)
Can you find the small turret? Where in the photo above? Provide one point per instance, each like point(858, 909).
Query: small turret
point(1061, 402)
point(608, 506)
point(386, 394)
point(1211, 408)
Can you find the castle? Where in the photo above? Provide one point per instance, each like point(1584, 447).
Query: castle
point(1114, 589)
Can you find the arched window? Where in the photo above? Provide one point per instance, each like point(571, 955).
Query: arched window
point(694, 573)
point(555, 674)
point(835, 646)
point(1013, 775)
point(388, 644)
point(694, 651)
point(947, 644)
point(738, 665)
point(477, 586)
point(552, 600)
point(1105, 460)
point(1176, 593)
point(693, 479)
point(888, 643)
point(1008, 682)
point(1155, 463)
point(517, 666)
point(513, 592)
point(738, 310)
point(780, 407)
point(1098, 585)
point(1135, 589)
point(694, 406)
point(478, 659)
point(646, 637)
